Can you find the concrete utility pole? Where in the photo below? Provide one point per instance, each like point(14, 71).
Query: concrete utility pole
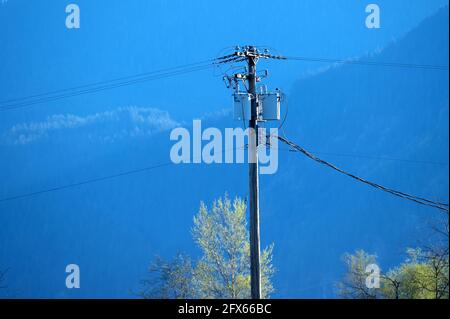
point(255, 268)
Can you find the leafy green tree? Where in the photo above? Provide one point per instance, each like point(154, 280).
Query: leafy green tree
point(392, 284)
point(436, 255)
point(223, 270)
point(407, 280)
point(421, 276)
point(438, 276)
point(353, 285)
point(429, 274)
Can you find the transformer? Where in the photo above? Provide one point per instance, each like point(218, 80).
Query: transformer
point(268, 106)
point(242, 107)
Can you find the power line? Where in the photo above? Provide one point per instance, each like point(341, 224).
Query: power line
point(99, 179)
point(55, 95)
point(385, 158)
point(233, 57)
point(89, 181)
point(101, 86)
point(107, 81)
point(369, 63)
point(375, 157)
point(417, 199)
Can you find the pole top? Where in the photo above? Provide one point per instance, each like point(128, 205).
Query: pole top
point(242, 53)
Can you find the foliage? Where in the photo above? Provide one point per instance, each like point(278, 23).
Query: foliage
point(223, 270)
point(353, 285)
point(422, 276)
point(169, 280)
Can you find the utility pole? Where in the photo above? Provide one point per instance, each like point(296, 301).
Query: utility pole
point(251, 55)
point(255, 268)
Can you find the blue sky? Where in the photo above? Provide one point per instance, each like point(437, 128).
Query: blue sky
point(119, 38)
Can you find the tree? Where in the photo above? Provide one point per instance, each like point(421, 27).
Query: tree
point(438, 275)
point(436, 255)
point(391, 284)
point(421, 276)
point(408, 280)
point(223, 270)
point(425, 274)
point(353, 285)
point(169, 280)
